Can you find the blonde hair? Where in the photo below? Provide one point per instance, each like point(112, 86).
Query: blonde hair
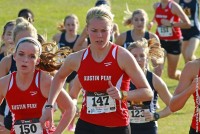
point(23, 25)
point(152, 48)
point(61, 27)
point(143, 43)
point(99, 12)
point(129, 18)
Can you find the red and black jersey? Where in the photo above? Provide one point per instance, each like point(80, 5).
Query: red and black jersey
point(94, 77)
point(28, 104)
point(166, 13)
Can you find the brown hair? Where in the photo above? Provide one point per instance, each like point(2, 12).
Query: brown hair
point(128, 20)
point(8, 24)
point(52, 58)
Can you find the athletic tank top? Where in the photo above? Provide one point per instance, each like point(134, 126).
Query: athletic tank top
point(7, 110)
point(167, 32)
point(129, 38)
point(137, 119)
point(194, 115)
point(191, 9)
point(27, 104)
point(97, 107)
point(152, 103)
point(62, 42)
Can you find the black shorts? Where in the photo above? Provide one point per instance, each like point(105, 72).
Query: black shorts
point(172, 47)
point(193, 131)
point(190, 33)
point(83, 127)
point(71, 76)
point(144, 128)
point(188, 37)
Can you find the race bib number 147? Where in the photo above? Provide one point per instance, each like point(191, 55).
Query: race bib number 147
point(100, 103)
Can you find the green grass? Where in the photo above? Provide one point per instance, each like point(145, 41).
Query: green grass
point(48, 13)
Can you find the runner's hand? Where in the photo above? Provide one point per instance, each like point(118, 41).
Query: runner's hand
point(113, 91)
point(47, 116)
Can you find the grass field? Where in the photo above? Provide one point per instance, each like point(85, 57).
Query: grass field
point(48, 13)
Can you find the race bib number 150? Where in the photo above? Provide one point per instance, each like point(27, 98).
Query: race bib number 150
point(28, 127)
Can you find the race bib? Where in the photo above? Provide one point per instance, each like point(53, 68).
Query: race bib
point(98, 103)
point(165, 31)
point(28, 127)
point(136, 113)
